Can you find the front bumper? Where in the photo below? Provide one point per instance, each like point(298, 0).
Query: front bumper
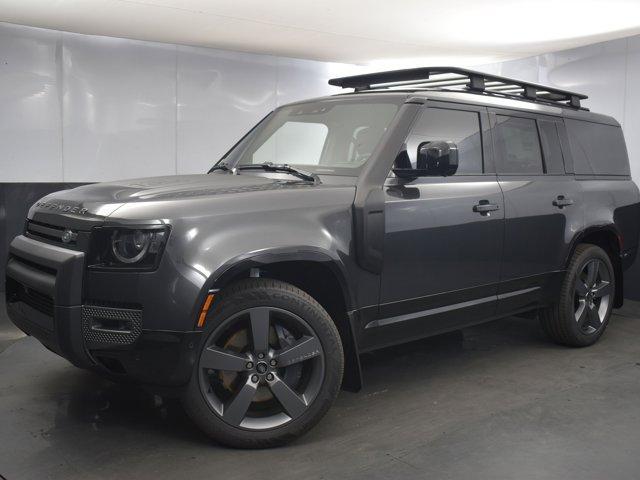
point(45, 299)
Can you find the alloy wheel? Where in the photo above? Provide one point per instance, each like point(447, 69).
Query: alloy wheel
point(592, 296)
point(261, 368)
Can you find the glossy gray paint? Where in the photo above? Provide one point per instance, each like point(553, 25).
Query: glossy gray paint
point(216, 220)
point(414, 252)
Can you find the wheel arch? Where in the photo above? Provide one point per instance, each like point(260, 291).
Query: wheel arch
point(312, 270)
point(607, 237)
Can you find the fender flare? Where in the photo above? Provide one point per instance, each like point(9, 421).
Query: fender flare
point(579, 236)
point(262, 258)
point(352, 380)
point(617, 266)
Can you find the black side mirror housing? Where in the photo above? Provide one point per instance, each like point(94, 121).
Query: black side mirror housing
point(434, 159)
point(438, 159)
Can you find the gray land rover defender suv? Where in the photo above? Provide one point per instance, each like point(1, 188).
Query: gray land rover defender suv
point(424, 201)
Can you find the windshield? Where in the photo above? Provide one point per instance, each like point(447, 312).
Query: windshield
point(328, 137)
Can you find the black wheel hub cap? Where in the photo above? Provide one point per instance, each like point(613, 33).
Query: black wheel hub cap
point(262, 368)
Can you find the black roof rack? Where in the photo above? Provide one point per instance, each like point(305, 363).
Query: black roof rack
point(460, 78)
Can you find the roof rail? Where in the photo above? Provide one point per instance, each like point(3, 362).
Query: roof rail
point(460, 78)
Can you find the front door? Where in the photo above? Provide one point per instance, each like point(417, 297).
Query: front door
point(443, 235)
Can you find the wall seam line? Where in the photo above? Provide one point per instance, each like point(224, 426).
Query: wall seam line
point(276, 100)
point(60, 71)
point(175, 126)
point(626, 83)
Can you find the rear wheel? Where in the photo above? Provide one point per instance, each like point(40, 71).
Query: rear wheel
point(270, 368)
point(586, 299)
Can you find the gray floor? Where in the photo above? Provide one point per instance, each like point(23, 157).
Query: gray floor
point(497, 401)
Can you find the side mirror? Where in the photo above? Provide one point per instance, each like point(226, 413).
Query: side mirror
point(434, 159)
point(437, 159)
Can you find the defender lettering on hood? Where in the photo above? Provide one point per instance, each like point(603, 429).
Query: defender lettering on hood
point(61, 207)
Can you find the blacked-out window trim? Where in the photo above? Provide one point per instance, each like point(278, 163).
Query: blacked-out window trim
point(545, 160)
point(542, 152)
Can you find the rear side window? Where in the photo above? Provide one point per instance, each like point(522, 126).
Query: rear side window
point(518, 146)
point(459, 126)
point(553, 160)
point(597, 149)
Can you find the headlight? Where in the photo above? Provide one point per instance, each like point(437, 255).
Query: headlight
point(132, 248)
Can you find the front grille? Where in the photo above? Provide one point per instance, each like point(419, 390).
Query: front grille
point(39, 301)
point(108, 325)
point(51, 233)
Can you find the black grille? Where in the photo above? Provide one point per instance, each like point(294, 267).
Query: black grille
point(51, 233)
point(107, 325)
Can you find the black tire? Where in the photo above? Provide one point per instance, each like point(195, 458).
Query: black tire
point(563, 322)
point(261, 293)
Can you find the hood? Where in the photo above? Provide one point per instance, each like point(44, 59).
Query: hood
point(100, 200)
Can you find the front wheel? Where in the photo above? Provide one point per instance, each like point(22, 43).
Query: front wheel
point(586, 299)
point(269, 369)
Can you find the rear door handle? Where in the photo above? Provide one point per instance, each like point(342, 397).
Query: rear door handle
point(562, 201)
point(485, 208)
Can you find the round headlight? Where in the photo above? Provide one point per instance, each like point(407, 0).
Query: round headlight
point(130, 246)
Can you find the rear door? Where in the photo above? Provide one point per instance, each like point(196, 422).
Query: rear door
point(543, 207)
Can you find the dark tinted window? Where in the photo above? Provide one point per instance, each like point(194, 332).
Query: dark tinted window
point(518, 146)
point(597, 149)
point(551, 147)
point(458, 126)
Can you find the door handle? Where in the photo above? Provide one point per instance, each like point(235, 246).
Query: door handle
point(485, 208)
point(562, 201)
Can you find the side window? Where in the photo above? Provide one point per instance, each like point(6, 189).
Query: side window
point(459, 126)
point(518, 146)
point(551, 147)
point(597, 149)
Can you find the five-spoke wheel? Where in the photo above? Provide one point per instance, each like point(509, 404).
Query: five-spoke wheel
point(586, 299)
point(261, 368)
point(592, 295)
point(269, 368)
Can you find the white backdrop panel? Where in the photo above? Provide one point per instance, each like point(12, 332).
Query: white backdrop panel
point(221, 95)
point(83, 108)
point(119, 108)
point(30, 95)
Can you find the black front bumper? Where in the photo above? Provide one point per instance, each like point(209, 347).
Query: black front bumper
point(45, 299)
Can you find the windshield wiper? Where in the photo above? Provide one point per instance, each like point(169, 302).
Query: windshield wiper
point(274, 167)
point(220, 166)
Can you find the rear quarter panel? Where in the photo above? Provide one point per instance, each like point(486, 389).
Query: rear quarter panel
point(613, 203)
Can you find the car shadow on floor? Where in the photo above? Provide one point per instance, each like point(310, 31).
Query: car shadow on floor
point(91, 402)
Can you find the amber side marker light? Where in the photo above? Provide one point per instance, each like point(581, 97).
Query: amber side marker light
point(205, 308)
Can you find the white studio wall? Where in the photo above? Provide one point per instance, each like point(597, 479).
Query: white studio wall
point(80, 108)
point(608, 72)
